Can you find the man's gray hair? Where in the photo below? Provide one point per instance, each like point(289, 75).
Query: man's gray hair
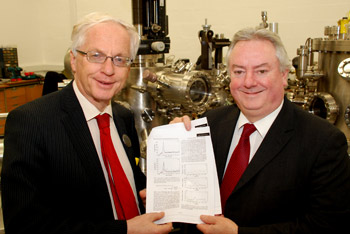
point(249, 34)
point(92, 19)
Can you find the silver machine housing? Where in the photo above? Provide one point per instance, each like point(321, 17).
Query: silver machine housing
point(159, 89)
point(322, 84)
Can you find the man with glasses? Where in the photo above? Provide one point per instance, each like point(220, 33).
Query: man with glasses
point(69, 160)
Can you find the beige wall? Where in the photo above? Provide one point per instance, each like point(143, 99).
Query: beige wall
point(40, 29)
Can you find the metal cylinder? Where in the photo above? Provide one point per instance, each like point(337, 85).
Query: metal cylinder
point(137, 15)
point(334, 53)
point(273, 27)
point(302, 61)
point(136, 98)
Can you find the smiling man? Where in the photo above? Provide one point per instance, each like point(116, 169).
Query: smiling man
point(69, 159)
point(281, 169)
point(257, 78)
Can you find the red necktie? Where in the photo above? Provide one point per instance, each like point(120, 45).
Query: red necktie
point(123, 196)
point(238, 163)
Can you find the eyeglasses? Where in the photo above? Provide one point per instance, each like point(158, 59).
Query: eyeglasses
point(97, 57)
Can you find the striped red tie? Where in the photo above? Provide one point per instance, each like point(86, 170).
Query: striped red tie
point(123, 196)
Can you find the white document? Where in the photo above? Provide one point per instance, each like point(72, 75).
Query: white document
point(181, 173)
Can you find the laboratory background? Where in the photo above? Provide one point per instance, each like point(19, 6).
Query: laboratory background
point(181, 66)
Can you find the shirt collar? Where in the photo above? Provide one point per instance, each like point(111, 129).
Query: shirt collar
point(263, 125)
point(90, 111)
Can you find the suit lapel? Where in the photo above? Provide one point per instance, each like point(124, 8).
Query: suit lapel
point(277, 137)
point(222, 136)
point(73, 120)
point(123, 133)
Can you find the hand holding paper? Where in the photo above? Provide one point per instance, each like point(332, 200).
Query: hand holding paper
point(181, 173)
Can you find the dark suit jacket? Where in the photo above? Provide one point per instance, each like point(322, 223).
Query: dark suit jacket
point(52, 180)
point(298, 180)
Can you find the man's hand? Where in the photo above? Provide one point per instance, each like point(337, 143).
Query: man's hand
point(142, 194)
point(144, 224)
point(217, 225)
point(185, 119)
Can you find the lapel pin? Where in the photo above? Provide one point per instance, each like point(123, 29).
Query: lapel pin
point(126, 140)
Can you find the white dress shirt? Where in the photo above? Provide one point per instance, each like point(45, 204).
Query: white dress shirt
point(262, 127)
point(90, 112)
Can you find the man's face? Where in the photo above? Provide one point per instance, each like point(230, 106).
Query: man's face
point(257, 84)
point(100, 82)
